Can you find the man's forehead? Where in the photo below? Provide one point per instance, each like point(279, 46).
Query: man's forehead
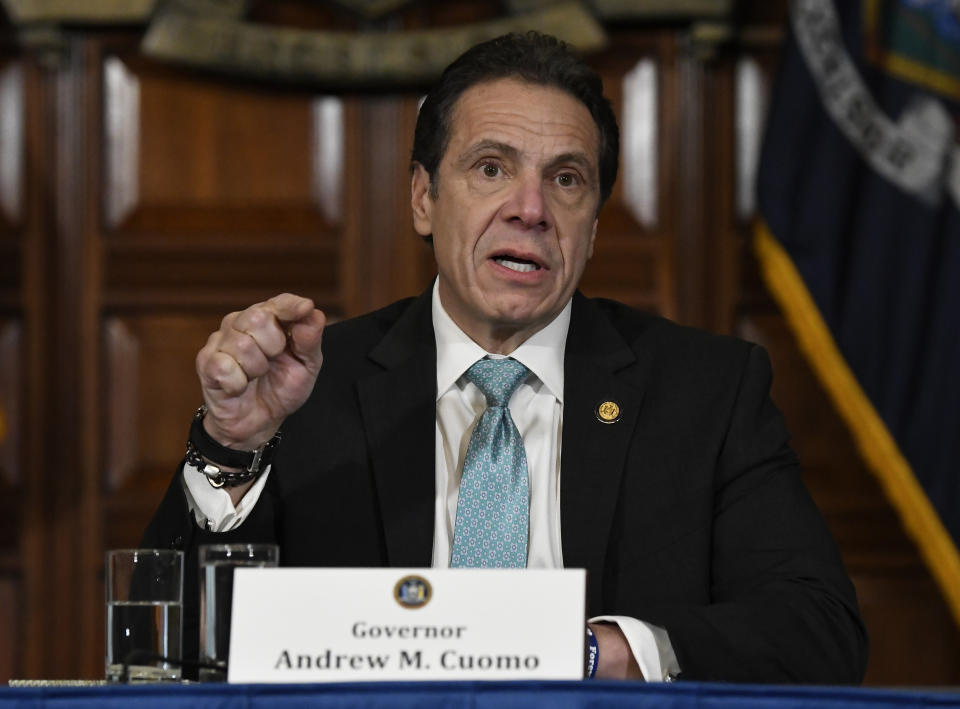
point(510, 111)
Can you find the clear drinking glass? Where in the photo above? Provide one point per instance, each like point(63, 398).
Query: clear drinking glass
point(217, 562)
point(144, 615)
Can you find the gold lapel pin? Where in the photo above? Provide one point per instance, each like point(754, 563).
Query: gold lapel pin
point(608, 412)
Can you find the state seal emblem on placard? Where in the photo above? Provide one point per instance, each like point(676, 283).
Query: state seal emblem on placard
point(413, 592)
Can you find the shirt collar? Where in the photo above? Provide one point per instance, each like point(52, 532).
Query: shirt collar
point(542, 353)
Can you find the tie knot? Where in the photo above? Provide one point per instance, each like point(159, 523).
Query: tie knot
point(497, 378)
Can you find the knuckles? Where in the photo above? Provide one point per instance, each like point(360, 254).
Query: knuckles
point(228, 320)
point(257, 318)
point(221, 367)
point(291, 300)
point(245, 345)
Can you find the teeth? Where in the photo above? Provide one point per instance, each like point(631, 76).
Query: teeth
point(516, 265)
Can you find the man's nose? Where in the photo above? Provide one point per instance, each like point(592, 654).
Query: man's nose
point(528, 203)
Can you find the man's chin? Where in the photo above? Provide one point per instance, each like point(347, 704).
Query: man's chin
point(517, 319)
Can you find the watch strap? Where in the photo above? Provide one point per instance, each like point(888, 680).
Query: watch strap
point(210, 457)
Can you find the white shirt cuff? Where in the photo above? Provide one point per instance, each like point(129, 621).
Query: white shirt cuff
point(650, 646)
point(212, 507)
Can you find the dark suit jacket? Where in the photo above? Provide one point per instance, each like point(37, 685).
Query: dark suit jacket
point(689, 512)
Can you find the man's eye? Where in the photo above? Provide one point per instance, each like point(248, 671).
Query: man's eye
point(566, 179)
point(490, 170)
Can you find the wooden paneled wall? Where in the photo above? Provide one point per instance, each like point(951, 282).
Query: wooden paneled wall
point(139, 203)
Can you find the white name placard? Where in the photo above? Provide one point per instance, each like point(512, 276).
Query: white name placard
point(336, 625)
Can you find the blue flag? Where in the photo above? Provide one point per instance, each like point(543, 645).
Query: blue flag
point(858, 190)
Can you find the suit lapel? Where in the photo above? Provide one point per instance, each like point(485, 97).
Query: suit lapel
point(398, 406)
point(593, 453)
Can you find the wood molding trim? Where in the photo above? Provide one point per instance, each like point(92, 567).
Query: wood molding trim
point(121, 124)
point(11, 142)
point(121, 353)
point(11, 412)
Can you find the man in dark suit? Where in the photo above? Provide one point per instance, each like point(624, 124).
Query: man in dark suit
point(656, 459)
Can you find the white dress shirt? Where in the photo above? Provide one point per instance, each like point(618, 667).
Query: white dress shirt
point(537, 409)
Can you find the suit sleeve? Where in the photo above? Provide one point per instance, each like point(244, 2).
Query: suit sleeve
point(782, 608)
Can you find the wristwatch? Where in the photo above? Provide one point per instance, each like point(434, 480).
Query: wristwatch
point(210, 458)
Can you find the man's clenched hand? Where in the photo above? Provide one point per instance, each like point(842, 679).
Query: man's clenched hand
point(259, 368)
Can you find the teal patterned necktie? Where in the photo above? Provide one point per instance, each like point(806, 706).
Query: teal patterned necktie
point(493, 507)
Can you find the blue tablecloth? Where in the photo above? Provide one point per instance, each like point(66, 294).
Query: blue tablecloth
point(474, 695)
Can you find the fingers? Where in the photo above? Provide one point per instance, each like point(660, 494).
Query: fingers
point(306, 337)
point(247, 342)
point(221, 371)
point(266, 324)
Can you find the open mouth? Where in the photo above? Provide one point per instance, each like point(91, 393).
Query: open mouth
point(517, 264)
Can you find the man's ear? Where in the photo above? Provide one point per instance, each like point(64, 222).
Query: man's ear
point(420, 201)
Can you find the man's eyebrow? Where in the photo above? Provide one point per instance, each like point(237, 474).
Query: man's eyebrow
point(577, 158)
point(488, 146)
